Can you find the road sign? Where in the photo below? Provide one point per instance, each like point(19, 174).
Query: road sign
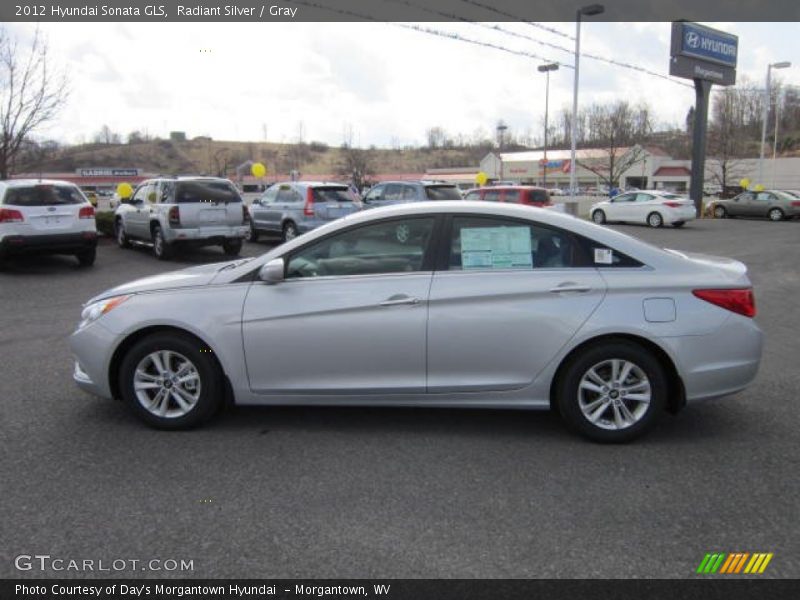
point(704, 43)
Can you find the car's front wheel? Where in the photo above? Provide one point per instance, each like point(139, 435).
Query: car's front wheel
point(720, 212)
point(612, 392)
point(775, 214)
point(171, 381)
point(87, 257)
point(599, 217)
point(232, 247)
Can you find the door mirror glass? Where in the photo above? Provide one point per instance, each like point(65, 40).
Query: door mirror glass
point(272, 272)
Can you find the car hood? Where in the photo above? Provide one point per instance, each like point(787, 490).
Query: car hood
point(191, 277)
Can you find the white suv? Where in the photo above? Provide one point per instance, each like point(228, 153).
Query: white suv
point(167, 212)
point(42, 216)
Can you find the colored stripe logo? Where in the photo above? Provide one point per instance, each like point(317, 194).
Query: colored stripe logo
point(734, 563)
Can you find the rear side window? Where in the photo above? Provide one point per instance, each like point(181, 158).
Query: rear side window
point(191, 192)
point(513, 196)
point(473, 196)
point(43, 195)
point(538, 196)
point(595, 254)
point(442, 192)
point(492, 195)
point(487, 244)
point(332, 194)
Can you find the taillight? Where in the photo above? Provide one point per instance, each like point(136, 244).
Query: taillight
point(740, 301)
point(87, 212)
point(174, 216)
point(245, 215)
point(8, 215)
point(673, 204)
point(796, 203)
point(308, 209)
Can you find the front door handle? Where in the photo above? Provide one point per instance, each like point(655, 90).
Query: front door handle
point(400, 299)
point(570, 287)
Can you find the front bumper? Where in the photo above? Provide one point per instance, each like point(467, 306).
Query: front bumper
point(93, 346)
point(208, 235)
point(60, 243)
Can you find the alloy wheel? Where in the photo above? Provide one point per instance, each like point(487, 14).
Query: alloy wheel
point(167, 384)
point(614, 394)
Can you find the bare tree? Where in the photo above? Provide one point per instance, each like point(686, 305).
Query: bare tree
point(727, 136)
point(107, 136)
point(354, 165)
point(31, 94)
point(436, 137)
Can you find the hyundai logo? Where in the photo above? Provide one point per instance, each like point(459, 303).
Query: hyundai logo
point(692, 39)
point(51, 208)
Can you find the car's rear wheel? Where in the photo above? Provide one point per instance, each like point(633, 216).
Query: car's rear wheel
point(654, 219)
point(720, 212)
point(775, 214)
point(87, 257)
point(612, 392)
point(289, 231)
point(232, 247)
point(161, 248)
point(599, 217)
point(171, 381)
point(119, 233)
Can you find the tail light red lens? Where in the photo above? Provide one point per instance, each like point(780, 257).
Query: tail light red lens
point(174, 216)
point(796, 203)
point(741, 301)
point(308, 209)
point(87, 212)
point(673, 204)
point(8, 215)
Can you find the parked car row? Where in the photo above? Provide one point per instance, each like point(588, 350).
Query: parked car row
point(775, 205)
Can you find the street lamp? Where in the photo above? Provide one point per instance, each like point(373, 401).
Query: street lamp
point(778, 103)
point(546, 70)
point(589, 11)
point(777, 65)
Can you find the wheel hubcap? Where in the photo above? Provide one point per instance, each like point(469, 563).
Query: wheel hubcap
point(655, 220)
point(290, 233)
point(166, 384)
point(614, 394)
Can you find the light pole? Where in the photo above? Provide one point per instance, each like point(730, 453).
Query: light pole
point(589, 10)
point(546, 70)
point(777, 65)
point(778, 103)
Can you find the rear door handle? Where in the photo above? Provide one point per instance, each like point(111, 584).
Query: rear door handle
point(570, 287)
point(399, 300)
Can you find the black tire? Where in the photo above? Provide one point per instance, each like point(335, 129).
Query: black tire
point(720, 212)
point(569, 401)
point(232, 247)
point(211, 386)
point(289, 231)
point(775, 214)
point(655, 220)
point(252, 235)
point(161, 249)
point(120, 235)
point(599, 217)
point(87, 257)
point(678, 224)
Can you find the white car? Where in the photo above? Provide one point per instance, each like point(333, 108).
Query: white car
point(43, 216)
point(652, 207)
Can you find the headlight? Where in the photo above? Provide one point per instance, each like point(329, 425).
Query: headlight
point(97, 309)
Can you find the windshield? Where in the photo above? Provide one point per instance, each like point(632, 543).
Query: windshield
point(43, 195)
point(332, 194)
point(442, 192)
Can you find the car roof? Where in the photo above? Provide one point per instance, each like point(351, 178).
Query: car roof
point(425, 182)
point(311, 183)
point(512, 187)
point(11, 183)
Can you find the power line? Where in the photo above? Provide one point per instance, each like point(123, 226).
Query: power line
point(516, 18)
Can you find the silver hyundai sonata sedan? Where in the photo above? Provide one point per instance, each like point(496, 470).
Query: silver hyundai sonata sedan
point(468, 304)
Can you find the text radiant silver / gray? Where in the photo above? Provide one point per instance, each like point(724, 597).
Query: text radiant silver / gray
point(432, 304)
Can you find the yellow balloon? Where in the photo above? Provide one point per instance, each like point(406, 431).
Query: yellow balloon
point(744, 183)
point(481, 178)
point(124, 190)
point(258, 170)
point(759, 188)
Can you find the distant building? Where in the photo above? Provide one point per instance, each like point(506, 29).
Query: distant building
point(177, 136)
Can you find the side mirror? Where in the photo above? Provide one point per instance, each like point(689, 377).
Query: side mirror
point(272, 272)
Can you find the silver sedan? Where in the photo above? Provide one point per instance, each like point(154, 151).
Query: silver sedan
point(468, 304)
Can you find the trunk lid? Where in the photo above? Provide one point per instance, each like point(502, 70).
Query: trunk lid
point(732, 270)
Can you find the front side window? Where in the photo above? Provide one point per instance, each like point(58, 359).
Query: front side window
point(141, 193)
point(479, 243)
point(393, 192)
point(492, 195)
point(624, 198)
point(374, 194)
point(397, 246)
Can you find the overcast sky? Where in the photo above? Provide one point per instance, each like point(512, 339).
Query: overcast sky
point(389, 84)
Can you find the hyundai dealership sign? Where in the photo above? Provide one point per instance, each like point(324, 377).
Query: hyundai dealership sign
point(699, 52)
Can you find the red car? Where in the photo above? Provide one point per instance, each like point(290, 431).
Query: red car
point(516, 194)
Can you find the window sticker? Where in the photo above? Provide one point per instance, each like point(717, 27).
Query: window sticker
point(496, 248)
point(603, 256)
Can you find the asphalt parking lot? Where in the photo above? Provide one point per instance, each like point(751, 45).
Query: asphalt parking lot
point(354, 492)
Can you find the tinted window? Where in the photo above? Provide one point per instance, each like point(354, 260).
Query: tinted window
point(538, 196)
point(442, 192)
point(43, 195)
point(286, 194)
point(396, 246)
point(187, 192)
point(624, 198)
point(492, 195)
point(479, 243)
point(393, 192)
point(644, 197)
point(332, 194)
point(594, 254)
point(513, 196)
point(473, 196)
point(409, 192)
point(374, 194)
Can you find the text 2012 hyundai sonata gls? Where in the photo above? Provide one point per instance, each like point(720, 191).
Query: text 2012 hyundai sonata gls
point(432, 304)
